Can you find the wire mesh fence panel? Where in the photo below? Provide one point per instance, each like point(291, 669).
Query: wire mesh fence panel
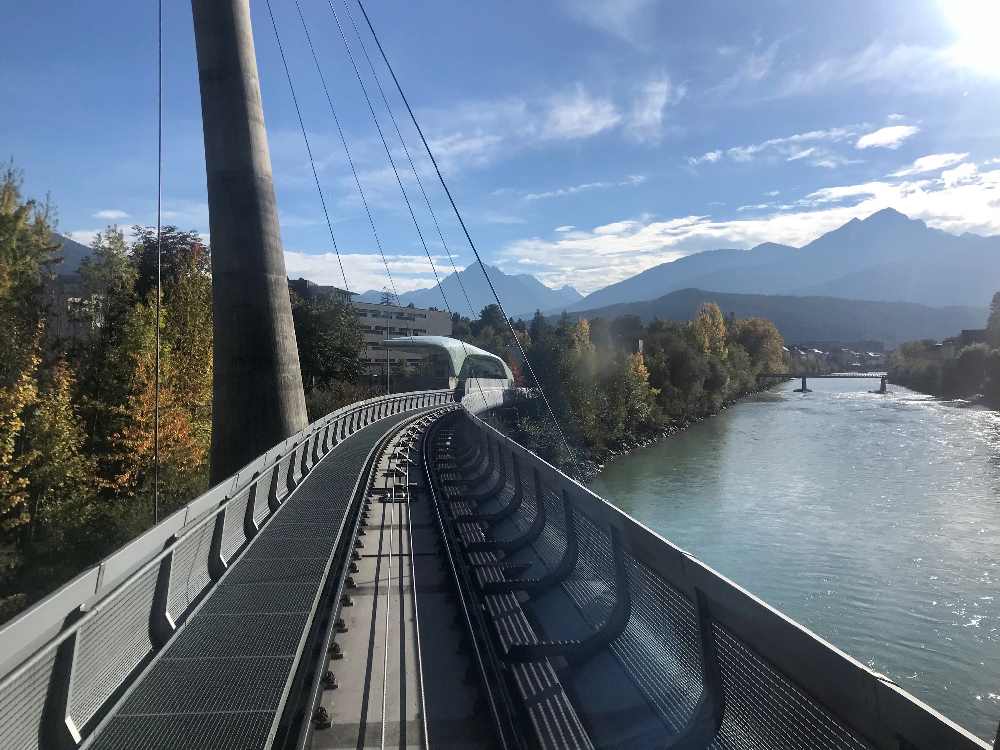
point(110, 645)
point(661, 645)
point(233, 525)
point(189, 574)
point(764, 710)
point(22, 705)
point(551, 543)
point(591, 584)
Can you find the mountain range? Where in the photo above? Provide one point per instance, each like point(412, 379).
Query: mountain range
point(886, 257)
point(72, 253)
point(811, 318)
point(521, 294)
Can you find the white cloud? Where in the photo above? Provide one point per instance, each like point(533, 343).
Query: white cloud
point(899, 67)
point(930, 163)
point(961, 200)
point(579, 115)
point(962, 174)
point(620, 18)
point(477, 133)
point(888, 137)
point(565, 228)
point(495, 217)
point(753, 68)
point(807, 145)
point(471, 149)
point(365, 270)
point(630, 181)
point(84, 236)
point(896, 117)
point(709, 157)
point(802, 154)
point(111, 214)
point(87, 236)
point(645, 121)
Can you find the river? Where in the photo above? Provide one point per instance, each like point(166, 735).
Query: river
point(872, 520)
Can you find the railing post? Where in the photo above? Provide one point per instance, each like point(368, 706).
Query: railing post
point(305, 455)
point(294, 475)
point(250, 527)
point(713, 697)
point(161, 625)
point(272, 493)
point(216, 565)
point(58, 730)
point(318, 445)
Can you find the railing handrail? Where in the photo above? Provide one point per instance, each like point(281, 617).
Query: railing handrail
point(871, 703)
point(31, 641)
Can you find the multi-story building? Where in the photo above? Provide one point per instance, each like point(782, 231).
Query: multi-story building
point(380, 322)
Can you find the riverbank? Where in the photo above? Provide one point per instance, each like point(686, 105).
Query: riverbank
point(592, 466)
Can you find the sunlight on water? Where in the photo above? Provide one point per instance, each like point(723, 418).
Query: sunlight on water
point(873, 520)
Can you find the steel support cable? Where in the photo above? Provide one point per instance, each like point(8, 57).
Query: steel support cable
point(385, 145)
point(343, 140)
point(305, 137)
point(468, 236)
point(413, 168)
point(420, 184)
point(392, 163)
point(159, 253)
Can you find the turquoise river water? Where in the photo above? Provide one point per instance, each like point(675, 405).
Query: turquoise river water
point(872, 520)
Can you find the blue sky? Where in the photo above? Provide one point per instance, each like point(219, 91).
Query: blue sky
point(585, 140)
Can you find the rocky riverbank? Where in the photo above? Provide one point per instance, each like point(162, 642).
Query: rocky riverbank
point(594, 462)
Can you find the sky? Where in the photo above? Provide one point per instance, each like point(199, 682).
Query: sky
point(583, 140)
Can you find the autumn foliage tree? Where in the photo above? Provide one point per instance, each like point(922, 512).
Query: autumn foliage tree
point(77, 416)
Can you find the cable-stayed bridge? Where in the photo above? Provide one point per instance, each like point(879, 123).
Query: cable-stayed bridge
point(400, 572)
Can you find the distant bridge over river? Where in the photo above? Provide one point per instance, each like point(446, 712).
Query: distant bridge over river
point(882, 376)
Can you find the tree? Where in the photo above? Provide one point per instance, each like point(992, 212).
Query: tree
point(329, 341)
point(181, 253)
point(993, 323)
point(183, 452)
point(709, 328)
point(26, 255)
point(460, 327)
point(492, 316)
point(187, 331)
point(61, 473)
point(104, 368)
point(762, 342)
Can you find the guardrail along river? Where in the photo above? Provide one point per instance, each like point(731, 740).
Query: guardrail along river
point(873, 520)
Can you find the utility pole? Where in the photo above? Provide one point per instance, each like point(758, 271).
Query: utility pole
point(257, 389)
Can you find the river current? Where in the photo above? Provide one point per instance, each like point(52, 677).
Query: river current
point(872, 520)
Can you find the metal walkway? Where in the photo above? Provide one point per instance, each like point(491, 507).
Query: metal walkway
point(236, 656)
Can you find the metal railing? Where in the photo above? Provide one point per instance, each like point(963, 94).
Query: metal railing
point(718, 666)
point(66, 659)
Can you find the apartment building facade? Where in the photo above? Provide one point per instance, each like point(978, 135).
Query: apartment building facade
point(380, 322)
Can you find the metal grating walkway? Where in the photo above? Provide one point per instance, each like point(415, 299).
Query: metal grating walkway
point(220, 681)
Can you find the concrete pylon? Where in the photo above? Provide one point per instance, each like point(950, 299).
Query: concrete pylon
point(257, 390)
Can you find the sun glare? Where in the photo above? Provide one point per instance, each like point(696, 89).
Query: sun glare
point(975, 23)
